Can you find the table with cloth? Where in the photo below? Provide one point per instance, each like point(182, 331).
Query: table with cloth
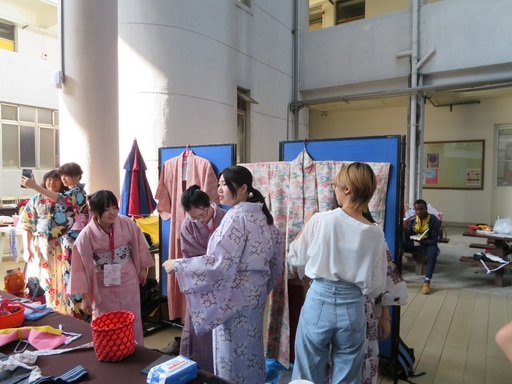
point(127, 370)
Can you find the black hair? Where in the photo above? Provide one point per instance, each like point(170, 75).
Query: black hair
point(368, 216)
point(101, 200)
point(236, 176)
point(54, 174)
point(421, 201)
point(194, 197)
point(70, 169)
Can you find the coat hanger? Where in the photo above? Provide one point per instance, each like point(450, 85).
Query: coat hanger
point(187, 151)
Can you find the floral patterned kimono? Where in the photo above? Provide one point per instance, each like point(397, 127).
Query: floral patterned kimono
point(93, 249)
point(48, 258)
point(194, 241)
point(227, 290)
point(70, 216)
point(395, 293)
point(292, 189)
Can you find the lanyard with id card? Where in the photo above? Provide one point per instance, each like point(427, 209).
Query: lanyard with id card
point(112, 272)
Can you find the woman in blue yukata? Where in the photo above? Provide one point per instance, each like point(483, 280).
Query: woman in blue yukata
point(227, 288)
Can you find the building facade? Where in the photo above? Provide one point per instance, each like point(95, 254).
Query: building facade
point(259, 72)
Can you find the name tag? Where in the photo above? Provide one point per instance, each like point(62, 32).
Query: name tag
point(112, 274)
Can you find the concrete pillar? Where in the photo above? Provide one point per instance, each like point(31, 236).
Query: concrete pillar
point(89, 108)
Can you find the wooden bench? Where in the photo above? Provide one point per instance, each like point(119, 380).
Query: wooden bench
point(498, 275)
point(482, 246)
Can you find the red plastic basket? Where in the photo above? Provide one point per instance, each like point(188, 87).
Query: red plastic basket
point(13, 319)
point(113, 335)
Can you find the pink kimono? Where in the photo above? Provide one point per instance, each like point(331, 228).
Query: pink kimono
point(91, 251)
point(173, 182)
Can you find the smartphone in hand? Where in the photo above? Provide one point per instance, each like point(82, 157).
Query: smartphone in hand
point(26, 173)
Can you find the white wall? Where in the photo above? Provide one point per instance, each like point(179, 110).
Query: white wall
point(465, 34)
point(24, 80)
point(466, 122)
point(181, 88)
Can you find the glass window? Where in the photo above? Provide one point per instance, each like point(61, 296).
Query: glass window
point(349, 10)
point(241, 137)
point(44, 116)
point(315, 18)
point(30, 138)
point(10, 146)
point(9, 112)
point(28, 147)
point(46, 148)
point(6, 31)
point(27, 114)
point(504, 161)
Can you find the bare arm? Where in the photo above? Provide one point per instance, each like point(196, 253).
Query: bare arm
point(31, 183)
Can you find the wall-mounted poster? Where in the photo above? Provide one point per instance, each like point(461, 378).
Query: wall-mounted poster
point(473, 176)
point(454, 164)
point(431, 176)
point(432, 160)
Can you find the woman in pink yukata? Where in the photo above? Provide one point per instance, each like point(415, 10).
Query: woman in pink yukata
point(227, 288)
point(110, 258)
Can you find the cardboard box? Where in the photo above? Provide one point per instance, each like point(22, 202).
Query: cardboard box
point(179, 369)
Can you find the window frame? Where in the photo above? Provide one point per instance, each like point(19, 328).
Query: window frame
point(500, 160)
point(36, 147)
point(339, 4)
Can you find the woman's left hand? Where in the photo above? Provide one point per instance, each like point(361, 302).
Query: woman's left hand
point(168, 266)
point(384, 328)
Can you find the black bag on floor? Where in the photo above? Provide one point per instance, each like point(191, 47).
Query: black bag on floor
point(405, 365)
point(149, 297)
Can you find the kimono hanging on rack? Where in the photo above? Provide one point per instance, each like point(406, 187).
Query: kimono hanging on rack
point(177, 174)
point(292, 189)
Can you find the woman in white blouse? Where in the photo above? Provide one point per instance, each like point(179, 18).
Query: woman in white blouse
point(344, 255)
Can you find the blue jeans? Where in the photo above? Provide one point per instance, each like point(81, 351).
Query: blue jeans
point(429, 250)
point(332, 322)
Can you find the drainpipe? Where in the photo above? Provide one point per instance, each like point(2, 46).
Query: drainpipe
point(295, 72)
point(413, 169)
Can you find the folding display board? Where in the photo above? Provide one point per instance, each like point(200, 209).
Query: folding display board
point(385, 149)
point(220, 156)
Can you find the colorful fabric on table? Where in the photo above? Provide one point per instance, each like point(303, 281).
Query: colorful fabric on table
point(42, 337)
point(27, 360)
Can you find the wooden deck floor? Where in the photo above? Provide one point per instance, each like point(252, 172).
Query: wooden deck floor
point(452, 333)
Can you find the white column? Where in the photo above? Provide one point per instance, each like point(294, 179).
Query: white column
point(88, 104)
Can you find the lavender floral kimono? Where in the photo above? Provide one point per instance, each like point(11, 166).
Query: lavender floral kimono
point(227, 290)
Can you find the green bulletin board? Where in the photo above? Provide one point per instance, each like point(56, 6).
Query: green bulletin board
point(454, 164)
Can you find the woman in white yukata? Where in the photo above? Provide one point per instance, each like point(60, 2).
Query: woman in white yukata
point(227, 288)
point(110, 261)
point(345, 256)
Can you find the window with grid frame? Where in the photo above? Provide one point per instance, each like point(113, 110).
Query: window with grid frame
point(349, 10)
point(7, 36)
point(29, 137)
point(504, 155)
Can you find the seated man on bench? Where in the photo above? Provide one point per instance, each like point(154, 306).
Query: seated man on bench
point(425, 227)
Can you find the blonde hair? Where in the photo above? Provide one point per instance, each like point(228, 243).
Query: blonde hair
point(361, 180)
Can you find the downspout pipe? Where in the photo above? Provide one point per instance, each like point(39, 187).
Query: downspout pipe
point(413, 169)
point(295, 71)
